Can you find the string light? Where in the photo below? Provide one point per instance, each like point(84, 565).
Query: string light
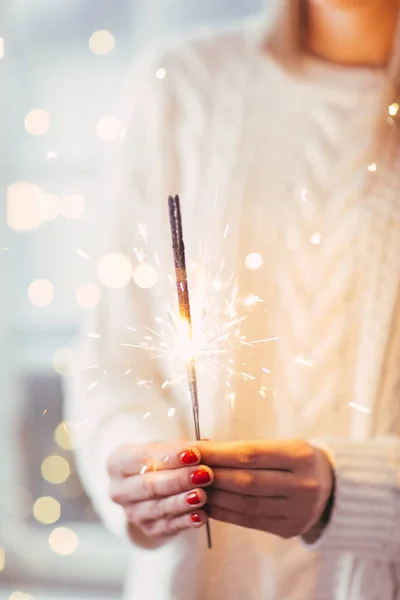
point(37, 122)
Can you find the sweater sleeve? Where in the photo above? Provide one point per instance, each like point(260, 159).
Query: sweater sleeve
point(365, 519)
point(116, 396)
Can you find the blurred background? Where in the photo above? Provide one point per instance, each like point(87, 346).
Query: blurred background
point(61, 63)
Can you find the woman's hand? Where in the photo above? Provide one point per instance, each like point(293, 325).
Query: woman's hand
point(160, 487)
point(281, 487)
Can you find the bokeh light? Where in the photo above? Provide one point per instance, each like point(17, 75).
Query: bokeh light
point(108, 128)
point(24, 206)
point(87, 295)
point(316, 239)
point(41, 292)
point(372, 167)
point(63, 361)
point(253, 261)
point(55, 469)
point(73, 206)
point(161, 73)
point(394, 109)
point(63, 541)
point(17, 595)
point(46, 510)
point(51, 206)
point(102, 42)
point(114, 271)
point(62, 436)
point(37, 122)
point(145, 276)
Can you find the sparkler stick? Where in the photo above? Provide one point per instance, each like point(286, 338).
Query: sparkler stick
point(178, 248)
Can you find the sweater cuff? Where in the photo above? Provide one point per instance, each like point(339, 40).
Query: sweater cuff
point(363, 519)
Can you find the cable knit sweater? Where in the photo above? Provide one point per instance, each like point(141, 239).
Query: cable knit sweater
point(282, 157)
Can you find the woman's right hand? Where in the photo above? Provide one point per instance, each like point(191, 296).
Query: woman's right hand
point(160, 487)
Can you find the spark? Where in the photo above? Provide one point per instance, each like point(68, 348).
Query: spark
point(372, 167)
point(157, 259)
point(166, 459)
point(252, 300)
point(143, 469)
point(247, 376)
point(130, 328)
point(171, 412)
point(94, 336)
point(394, 109)
point(142, 231)
point(44, 412)
point(146, 416)
point(128, 371)
point(165, 384)
point(232, 398)
point(264, 369)
point(82, 253)
point(91, 367)
point(140, 255)
point(146, 383)
point(216, 197)
point(226, 231)
point(92, 386)
point(301, 360)
point(363, 409)
point(5, 249)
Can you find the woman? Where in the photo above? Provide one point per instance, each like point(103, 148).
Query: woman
point(289, 136)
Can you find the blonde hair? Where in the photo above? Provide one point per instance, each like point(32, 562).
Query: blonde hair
point(287, 39)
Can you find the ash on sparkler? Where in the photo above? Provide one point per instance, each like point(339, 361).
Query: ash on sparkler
point(178, 248)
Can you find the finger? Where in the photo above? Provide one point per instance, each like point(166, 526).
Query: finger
point(248, 505)
point(131, 460)
point(282, 455)
point(165, 527)
point(274, 525)
point(159, 484)
point(251, 482)
point(173, 506)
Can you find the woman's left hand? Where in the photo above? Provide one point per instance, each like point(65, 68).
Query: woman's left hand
point(281, 487)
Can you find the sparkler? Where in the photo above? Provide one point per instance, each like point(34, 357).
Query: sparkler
point(178, 247)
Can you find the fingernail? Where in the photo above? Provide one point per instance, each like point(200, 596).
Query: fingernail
point(201, 477)
point(195, 518)
point(193, 498)
point(188, 457)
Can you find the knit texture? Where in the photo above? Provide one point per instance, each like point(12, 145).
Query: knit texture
point(282, 158)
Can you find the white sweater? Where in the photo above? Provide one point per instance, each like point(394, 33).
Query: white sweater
point(282, 159)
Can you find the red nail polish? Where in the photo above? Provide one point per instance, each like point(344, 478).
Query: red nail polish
point(201, 477)
point(193, 498)
point(188, 457)
point(195, 518)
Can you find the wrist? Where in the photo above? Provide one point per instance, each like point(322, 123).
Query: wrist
point(312, 535)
